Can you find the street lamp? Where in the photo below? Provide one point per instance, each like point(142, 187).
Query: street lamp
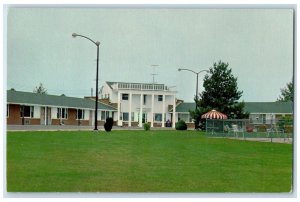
point(97, 43)
point(197, 73)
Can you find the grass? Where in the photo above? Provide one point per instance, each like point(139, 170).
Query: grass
point(139, 161)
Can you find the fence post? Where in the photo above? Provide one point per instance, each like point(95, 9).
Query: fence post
point(206, 127)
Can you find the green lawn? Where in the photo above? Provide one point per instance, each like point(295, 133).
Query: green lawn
point(139, 161)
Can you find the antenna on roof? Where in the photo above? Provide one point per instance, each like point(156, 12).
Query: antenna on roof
point(153, 74)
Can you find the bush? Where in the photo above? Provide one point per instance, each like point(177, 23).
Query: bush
point(108, 124)
point(288, 129)
point(146, 126)
point(181, 125)
point(262, 128)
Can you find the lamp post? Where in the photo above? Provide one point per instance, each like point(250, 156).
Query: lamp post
point(197, 73)
point(97, 43)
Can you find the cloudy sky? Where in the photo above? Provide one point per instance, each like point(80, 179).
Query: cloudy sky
point(257, 44)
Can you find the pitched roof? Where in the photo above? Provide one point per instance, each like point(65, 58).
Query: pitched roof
point(185, 107)
point(251, 107)
point(269, 107)
point(19, 97)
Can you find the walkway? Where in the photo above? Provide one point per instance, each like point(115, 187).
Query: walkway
point(70, 128)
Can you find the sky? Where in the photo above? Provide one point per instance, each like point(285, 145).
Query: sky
point(257, 44)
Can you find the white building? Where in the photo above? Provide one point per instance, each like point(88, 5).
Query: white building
point(139, 103)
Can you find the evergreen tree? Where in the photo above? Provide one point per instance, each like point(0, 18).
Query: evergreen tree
point(40, 89)
point(220, 93)
point(287, 93)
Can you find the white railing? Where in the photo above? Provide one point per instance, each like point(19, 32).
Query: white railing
point(140, 86)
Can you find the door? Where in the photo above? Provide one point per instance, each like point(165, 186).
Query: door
point(48, 116)
point(144, 119)
point(42, 119)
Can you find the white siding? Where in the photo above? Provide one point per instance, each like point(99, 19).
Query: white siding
point(37, 112)
point(86, 114)
point(53, 112)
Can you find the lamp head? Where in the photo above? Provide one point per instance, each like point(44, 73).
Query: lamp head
point(74, 35)
point(97, 43)
point(179, 69)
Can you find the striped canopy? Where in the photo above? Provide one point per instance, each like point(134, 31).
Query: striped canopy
point(213, 114)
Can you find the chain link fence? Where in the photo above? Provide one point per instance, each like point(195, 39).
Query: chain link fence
point(271, 130)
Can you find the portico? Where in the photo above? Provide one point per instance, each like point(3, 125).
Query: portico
point(139, 103)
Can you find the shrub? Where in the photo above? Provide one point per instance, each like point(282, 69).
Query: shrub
point(288, 129)
point(146, 126)
point(181, 125)
point(262, 128)
point(286, 124)
point(249, 129)
point(108, 124)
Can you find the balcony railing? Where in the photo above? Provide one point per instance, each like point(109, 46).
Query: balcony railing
point(140, 86)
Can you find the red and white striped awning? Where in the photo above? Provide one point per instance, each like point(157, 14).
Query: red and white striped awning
point(213, 114)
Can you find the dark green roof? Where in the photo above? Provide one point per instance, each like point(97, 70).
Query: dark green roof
point(185, 107)
point(18, 97)
point(269, 107)
point(251, 107)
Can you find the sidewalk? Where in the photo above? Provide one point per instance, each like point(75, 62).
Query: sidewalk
point(70, 128)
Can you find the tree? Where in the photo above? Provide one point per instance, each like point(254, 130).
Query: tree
point(287, 93)
point(220, 93)
point(40, 89)
point(108, 124)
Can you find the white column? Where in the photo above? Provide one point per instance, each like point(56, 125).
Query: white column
point(60, 115)
point(141, 111)
point(152, 110)
point(46, 115)
point(174, 112)
point(130, 101)
point(163, 111)
point(119, 108)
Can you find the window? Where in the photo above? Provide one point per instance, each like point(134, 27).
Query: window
point(125, 116)
point(160, 98)
point(103, 115)
point(185, 117)
point(80, 114)
point(124, 96)
point(113, 115)
point(62, 113)
point(145, 99)
point(27, 111)
point(158, 117)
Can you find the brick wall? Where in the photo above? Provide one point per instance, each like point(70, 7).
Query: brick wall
point(15, 118)
point(71, 120)
point(190, 125)
point(157, 125)
point(14, 115)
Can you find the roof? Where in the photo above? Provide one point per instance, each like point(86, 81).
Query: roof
point(269, 107)
point(251, 107)
point(185, 107)
point(19, 97)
